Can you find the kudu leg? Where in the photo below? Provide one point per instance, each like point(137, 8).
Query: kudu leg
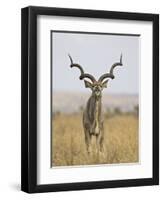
point(88, 141)
point(100, 143)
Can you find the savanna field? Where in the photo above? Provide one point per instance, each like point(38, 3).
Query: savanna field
point(68, 144)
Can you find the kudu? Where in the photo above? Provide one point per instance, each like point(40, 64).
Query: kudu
point(92, 116)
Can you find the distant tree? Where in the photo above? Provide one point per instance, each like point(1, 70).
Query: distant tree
point(57, 113)
point(117, 111)
point(136, 110)
point(81, 108)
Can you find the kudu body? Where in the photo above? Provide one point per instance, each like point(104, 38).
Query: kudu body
point(92, 116)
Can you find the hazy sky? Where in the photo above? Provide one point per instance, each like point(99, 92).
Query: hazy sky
point(95, 53)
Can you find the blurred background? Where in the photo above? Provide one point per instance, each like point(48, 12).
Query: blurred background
point(95, 53)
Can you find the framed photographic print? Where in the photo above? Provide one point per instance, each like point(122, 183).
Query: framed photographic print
point(90, 99)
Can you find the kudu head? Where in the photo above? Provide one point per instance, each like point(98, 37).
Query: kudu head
point(96, 85)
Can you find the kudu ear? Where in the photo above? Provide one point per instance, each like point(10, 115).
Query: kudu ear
point(104, 84)
point(88, 84)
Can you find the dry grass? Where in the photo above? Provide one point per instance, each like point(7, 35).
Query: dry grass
point(68, 146)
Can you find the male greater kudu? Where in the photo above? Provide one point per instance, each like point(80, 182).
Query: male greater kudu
point(92, 116)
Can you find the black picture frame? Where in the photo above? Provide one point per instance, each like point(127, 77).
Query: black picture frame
point(29, 99)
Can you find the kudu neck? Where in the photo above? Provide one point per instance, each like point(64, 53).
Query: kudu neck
point(97, 99)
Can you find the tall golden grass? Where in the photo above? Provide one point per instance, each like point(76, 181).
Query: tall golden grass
point(68, 145)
